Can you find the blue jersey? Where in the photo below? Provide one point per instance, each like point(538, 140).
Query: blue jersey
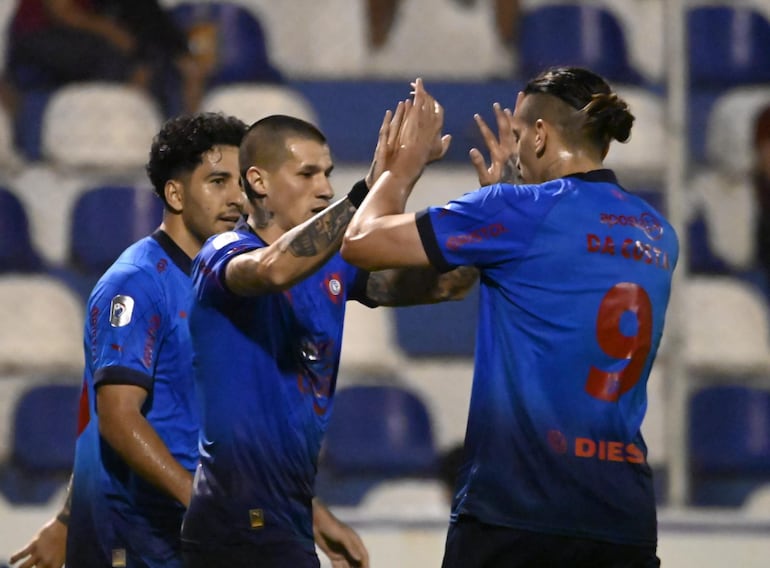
point(266, 369)
point(136, 333)
point(575, 280)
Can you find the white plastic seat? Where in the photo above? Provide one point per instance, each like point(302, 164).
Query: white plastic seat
point(42, 326)
point(729, 207)
point(250, 102)
point(726, 328)
point(730, 128)
point(102, 126)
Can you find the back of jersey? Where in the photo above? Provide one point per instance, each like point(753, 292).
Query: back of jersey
point(570, 322)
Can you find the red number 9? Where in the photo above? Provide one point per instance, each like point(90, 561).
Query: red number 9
point(621, 298)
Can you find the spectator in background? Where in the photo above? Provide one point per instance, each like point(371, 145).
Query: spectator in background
point(55, 42)
point(761, 180)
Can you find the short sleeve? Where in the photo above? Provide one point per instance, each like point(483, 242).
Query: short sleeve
point(491, 225)
point(209, 266)
point(127, 320)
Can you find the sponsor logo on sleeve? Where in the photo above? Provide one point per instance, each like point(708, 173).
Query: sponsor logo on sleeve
point(224, 239)
point(121, 310)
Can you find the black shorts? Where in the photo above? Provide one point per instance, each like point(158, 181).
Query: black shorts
point(278, 555)
point(472, 544)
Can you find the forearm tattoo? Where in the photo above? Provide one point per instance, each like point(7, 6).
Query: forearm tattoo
point(510, 173)
point(325, 232)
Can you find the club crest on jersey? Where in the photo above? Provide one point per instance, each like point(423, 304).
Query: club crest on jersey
point(121, 310)
point(333, 287)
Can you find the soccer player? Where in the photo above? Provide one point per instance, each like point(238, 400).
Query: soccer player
point(266, 326)
point(575, 280)
point(137, 446)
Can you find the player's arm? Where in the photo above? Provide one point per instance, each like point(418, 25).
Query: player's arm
point(127, 431)
point(296, 253)
point(425, 285)
point(48, 547)
point(339, 541)
point(381, 235)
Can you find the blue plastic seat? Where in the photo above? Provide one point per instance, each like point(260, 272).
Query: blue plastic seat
point(730, 444)
point(446, 329)
point(240, 46)
point(43, 444)
point(575, 35)
point(376, 433)
point(728, 46)
point(17, 253)
point(106, 220)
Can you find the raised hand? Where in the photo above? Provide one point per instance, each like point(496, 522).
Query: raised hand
point(502, 150)
point(419, 139)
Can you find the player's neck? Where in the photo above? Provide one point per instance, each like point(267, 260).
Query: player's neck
point(181, 236)
point(567, 163)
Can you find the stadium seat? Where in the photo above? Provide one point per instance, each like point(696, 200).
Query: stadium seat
point(730, 128)
point(726, 327)
point(99, 126)
point(17, 253)
point(730, 445)
point(727, 46)
point(106, 220)
point(250, 102)
point(231, 35)
point(43, 325)
point(447, 329)
point(588, 36)
point(43, 445)
point(726, 205)
point(376, 433)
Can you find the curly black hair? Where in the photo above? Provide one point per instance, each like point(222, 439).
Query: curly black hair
point(179, 146)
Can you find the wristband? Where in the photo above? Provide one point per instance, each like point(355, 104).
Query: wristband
point(357, 195)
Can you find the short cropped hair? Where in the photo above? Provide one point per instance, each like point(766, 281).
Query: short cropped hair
point(182, 141)
point(605, 116)
point(264, 144)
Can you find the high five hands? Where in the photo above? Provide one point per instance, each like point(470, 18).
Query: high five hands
point(502, 150)
point(410, 137)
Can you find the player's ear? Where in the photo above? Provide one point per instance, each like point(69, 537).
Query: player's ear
point(541, 137)
point(174, 192)
point(256, 180)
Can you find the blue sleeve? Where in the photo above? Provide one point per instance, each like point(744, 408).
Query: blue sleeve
point(489, 226)
point(127, 318)
point(208, 272)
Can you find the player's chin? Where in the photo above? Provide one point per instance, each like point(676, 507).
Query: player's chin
point(227, 224)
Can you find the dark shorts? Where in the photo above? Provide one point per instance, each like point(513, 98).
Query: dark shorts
point(279, 555)
point(472, 544)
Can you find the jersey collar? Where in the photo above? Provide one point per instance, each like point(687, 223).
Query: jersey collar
point(177, 255)
point(597, 176)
